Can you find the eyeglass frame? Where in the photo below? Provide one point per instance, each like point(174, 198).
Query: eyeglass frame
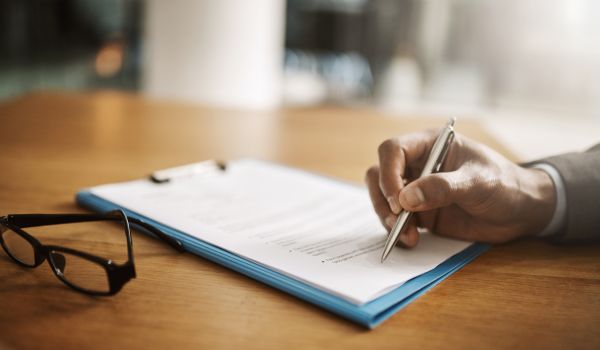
point(118, 274)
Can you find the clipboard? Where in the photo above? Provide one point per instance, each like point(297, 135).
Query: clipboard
point(369, 315)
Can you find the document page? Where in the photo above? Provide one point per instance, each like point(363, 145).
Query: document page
point(312, 228)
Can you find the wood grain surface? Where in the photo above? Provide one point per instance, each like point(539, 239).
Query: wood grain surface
point(523, 295)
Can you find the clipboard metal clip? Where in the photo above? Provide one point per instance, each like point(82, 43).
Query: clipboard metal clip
point(186, 171)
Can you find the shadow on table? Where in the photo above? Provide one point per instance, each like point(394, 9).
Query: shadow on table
point(28, 294)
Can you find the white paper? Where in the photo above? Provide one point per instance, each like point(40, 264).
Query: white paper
point(312, 228)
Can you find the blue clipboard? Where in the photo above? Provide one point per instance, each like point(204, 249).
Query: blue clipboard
point(369, 315)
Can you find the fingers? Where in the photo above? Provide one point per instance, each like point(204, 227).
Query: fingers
point(410, 237)
point(437, 191)
point(401, 159)
point(380, 204)
point(395, 155)
point(392, 163)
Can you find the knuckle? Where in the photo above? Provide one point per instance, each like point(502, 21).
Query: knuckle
point(388, 146)
point(372, 173)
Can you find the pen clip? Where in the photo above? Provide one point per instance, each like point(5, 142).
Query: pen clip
point(186, 171)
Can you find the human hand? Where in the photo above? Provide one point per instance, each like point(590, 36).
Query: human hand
point(479, 195)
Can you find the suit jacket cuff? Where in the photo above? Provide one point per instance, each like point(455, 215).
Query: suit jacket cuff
point(557, 223)
point(580, 174)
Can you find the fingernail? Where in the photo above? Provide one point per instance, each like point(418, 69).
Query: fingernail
point(390, 220)
point(394, 205)
point(413, 196)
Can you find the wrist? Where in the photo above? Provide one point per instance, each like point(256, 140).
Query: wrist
point(539, 196)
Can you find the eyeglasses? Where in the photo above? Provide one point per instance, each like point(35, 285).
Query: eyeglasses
point(84, 272)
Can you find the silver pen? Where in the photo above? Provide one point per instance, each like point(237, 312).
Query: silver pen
point(434, 163)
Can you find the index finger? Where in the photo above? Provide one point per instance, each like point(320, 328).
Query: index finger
point(395, 156)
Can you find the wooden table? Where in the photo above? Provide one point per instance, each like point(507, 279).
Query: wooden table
point(527, 294)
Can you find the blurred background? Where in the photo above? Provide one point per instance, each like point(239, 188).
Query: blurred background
point(529, 69)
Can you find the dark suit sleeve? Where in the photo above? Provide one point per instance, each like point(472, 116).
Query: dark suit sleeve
point(580, 173)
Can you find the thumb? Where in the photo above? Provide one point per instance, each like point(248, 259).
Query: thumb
point(436, 191)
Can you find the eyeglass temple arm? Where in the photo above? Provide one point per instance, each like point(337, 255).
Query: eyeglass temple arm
point(176, 244)
point(34, 220)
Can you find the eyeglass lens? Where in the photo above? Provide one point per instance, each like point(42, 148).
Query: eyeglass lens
point(17, 246)
point(80, 272)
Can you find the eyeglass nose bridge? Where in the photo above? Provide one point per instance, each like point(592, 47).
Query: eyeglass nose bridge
point(59, 263)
